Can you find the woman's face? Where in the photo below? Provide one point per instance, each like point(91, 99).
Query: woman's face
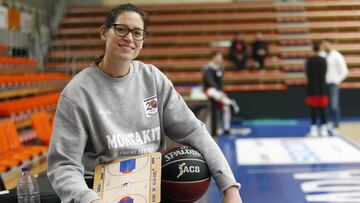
point(126, 48)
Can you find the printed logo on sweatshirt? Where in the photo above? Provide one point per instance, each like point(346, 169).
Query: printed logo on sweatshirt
point(151, 106)
point(135, 139)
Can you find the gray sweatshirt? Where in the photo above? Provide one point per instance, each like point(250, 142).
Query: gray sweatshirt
point(100, 118)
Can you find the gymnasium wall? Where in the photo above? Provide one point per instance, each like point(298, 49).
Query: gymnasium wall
point(289, 103)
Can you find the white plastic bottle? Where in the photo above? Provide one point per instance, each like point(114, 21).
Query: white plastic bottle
point(27, 188)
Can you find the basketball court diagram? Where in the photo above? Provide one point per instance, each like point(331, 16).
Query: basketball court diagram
point(130, 180)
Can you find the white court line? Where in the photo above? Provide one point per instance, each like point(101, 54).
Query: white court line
point(296, 170)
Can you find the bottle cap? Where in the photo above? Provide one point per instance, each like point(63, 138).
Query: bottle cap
point(25, 169)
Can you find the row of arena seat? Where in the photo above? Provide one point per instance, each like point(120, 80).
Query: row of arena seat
point(230, 77)
point(20, 85)
point(185, 91)
point(8, 61)
point(180, 29)
point(155, 52)
point(179, 8)
point(185, 18)
point(27, 104)
point(8, 80)
point(227, 17)
point(66, 33)
point(13, 65)
point(353, 61)
point(94, 42)
point(169, 65)
point(220, 7)
point(258, 77)
point(199, 52)
point(166, 65)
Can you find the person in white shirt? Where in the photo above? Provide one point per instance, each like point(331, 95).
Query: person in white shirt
point(337, 71)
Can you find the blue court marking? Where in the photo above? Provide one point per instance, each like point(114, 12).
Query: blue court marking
point(127, 166)
point(277, 183)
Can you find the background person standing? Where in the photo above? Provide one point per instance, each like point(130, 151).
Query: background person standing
point(317, 99)
point(337, 71)
point(213, 87)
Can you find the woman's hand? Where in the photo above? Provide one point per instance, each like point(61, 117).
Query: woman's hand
point(232, 195)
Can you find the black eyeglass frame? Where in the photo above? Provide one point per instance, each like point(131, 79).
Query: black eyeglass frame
point(129, 30)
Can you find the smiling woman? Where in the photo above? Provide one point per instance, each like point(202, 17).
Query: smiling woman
point(119, 45)
point(141, 107)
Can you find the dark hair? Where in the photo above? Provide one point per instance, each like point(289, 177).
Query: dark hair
point(316, 46)
point(115, 12)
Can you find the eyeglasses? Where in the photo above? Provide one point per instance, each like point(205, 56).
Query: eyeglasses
point(123, 30)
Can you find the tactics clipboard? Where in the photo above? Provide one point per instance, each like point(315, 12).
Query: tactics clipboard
point(133, 179)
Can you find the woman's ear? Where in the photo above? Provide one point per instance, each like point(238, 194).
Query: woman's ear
point(103, 31)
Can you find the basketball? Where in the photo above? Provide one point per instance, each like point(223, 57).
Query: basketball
point(185, 175)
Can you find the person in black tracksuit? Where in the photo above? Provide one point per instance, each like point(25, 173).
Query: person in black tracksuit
point(213, 87)
point(259, 52)
point(317, 99)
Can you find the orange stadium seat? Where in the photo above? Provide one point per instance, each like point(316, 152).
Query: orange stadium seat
point(40, 122)
point(6, 159)
point(30, 78)
point(24, 104)
point(7, 149)
point(15, 144)
point(17, 61)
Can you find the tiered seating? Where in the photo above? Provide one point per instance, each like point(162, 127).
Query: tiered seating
point(23, 92)
point(180, 41)
point(183, 35)
point(12, 86)
point(331, 4)
point(337, 20)
point(24, 89)
point(16, 65)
